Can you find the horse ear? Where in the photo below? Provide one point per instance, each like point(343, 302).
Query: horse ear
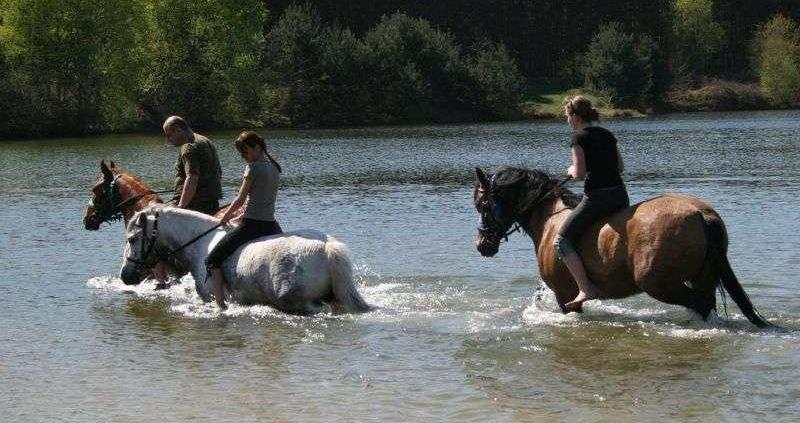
point(105, 170)
point(483, 181)
point(112, 164)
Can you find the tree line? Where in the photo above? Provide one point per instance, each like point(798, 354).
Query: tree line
point(73, 67)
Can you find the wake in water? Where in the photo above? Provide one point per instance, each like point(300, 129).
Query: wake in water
point(667, 321)
point(451, 306)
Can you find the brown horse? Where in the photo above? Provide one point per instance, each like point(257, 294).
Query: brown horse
point(119, 195)
point(673, 247)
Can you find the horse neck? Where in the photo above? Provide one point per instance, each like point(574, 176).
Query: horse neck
point(177, 227)
point(127, 188)
point(543, 218)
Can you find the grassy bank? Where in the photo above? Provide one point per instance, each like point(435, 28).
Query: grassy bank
point(544, 99)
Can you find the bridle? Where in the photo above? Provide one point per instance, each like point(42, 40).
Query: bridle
point(111, 208)
point(492, 226)
point(148, 244)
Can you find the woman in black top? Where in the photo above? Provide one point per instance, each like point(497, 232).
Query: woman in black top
point(596, 158)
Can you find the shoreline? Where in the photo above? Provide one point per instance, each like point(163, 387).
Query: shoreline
point(531, 115)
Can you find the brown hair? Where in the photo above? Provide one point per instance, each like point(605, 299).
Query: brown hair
point(251, 139)
point(582, 107)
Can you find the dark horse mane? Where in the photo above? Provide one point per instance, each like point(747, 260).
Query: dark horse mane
point(530, 186)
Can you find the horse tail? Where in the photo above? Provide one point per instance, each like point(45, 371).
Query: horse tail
point(341, 273)
point(717, 238)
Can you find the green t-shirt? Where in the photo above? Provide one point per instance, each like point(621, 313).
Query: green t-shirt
point(199, 157)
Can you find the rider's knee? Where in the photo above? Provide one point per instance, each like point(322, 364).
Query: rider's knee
point(563, 246)
point(211, 264)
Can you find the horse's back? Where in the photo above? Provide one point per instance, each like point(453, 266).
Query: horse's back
point(666, 239)
point(660, 237)
point(292, 265)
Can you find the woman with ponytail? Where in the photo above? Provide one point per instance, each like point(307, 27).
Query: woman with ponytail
point(595, 158)
point(258, 193)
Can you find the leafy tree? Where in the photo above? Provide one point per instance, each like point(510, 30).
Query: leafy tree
point(697, 35)
point(497, 79)
point(777, 60)
point(73, 60)
point(620, 65)
point(203, 60)
point(413, 67)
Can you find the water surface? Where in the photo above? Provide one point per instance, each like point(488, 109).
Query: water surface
point(456, 338)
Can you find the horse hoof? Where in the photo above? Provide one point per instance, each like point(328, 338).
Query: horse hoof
point(160, 286)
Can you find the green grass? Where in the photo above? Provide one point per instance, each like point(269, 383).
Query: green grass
point(544, 99)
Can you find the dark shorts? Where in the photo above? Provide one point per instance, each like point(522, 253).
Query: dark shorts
point(209, 207)
point(247, 231)
point(596, 204)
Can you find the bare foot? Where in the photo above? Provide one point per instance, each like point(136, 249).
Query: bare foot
point(577, 303)
point(219, 294)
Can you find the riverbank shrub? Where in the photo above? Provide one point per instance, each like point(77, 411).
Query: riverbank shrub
point(497, 79)
point(413, 70)
point(621, 65)
point(777, 60)
point(717, 94)
point(403, 70)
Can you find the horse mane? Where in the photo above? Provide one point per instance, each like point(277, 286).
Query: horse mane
point(136, 182)
point(533, 185)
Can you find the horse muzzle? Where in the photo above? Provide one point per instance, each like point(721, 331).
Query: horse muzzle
point(486, 247)
point(131, 274)
point(91, 222)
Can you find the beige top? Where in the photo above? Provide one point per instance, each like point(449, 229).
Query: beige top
point(260, 203)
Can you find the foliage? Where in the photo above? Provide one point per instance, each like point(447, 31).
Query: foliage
point(621, 65)
point(317, 69)
point(74, 59)
point(777, 60)
point(714, 95)
point(203, 60)
point(414, 69)
point(698, 36)
point(497, 80)
point(402, 70)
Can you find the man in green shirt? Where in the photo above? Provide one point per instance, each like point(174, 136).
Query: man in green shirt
point(198, 174)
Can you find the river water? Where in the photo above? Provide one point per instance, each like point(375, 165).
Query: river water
point(457, 337)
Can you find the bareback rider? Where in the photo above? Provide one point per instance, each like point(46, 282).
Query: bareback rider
point(198, 174)
point(198, 177)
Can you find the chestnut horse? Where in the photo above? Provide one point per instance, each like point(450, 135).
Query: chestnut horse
point(673, 247)
point(119, 195)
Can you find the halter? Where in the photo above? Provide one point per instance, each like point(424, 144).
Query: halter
point(112, 209)
point(149, 244)
point(490, 228)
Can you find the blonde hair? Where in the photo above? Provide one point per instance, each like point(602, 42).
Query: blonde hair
point(582, 107)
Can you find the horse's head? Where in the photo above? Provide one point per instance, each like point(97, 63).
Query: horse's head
point(102, 205)
point(139, 254)
point(504, 198)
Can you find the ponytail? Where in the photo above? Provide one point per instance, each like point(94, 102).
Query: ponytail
point(251, 139)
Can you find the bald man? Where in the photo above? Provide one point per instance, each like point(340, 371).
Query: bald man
point(198, 174)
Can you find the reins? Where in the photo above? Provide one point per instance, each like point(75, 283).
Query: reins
point(151, 241)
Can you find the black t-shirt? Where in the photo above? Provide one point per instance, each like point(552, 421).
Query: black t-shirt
point(600, 150)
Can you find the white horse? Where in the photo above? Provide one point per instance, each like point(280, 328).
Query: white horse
point(295, 272)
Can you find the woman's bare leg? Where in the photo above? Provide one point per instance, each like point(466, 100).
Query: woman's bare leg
point(586, 290)
point(217, 288)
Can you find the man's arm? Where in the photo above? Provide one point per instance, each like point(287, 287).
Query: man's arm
point(189, 189)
